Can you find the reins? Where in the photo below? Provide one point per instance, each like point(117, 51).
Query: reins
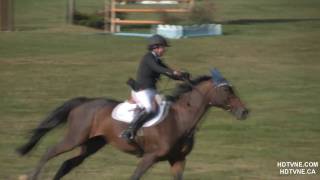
point(195, 125)
point(188, 81)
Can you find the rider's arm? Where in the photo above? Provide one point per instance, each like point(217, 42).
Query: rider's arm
point(162, 69)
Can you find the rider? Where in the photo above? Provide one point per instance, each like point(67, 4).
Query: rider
point(150, 68)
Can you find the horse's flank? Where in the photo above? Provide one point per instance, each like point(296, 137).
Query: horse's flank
point(184, 114)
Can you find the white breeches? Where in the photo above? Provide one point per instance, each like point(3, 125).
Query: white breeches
point(145, 98)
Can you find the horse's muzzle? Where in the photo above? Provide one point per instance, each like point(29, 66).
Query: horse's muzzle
point(241, 113)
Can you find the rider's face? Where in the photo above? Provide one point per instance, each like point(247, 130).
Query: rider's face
point(160, 50)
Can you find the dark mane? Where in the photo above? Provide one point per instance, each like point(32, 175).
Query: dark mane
point(186, 87)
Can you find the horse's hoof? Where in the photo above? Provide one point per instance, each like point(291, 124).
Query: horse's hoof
point(23, 177)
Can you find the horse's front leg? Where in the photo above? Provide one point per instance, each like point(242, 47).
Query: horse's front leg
point(177, 168)
point(178, 159)
point(147, 161)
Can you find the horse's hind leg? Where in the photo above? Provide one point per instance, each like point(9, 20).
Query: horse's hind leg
point(90, 147)
point(177, 168)
point(74, 138)
point(62, 147)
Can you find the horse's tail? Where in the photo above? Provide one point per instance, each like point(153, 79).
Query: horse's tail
point(56, 117)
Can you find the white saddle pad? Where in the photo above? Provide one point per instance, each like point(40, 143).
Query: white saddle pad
point(125, 112)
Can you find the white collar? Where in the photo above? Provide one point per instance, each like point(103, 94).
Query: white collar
point(155, 55)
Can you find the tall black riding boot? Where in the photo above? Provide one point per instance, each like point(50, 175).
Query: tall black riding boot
point(130, 133)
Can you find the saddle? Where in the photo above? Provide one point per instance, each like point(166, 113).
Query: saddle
point(127, 110)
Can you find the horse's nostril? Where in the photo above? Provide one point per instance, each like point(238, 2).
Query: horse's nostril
point(245, 113)
point(241, 113)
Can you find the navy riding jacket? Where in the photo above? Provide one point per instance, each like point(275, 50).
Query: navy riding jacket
point(150, 69)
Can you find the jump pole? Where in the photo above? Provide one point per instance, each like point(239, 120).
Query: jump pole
point(71, 8)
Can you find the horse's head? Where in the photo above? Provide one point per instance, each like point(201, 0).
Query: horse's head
point(222, 95)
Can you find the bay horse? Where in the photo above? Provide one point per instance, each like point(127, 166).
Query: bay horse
point(91, 127)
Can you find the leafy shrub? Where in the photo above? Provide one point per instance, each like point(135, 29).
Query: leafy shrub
point(174, 18)
point(90, 20)
point(95, 20)
point(201, 13)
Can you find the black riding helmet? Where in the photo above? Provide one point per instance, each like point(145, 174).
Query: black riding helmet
point(156, 41)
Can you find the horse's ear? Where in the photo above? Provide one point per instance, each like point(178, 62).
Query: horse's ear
point(217, 77)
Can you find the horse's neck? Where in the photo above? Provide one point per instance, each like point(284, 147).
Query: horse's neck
point(193, 106)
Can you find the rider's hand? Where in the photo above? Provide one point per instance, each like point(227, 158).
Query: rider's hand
point(177, 73)
point(181, 75)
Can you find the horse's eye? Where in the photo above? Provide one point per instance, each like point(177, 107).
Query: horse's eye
point(226, 89)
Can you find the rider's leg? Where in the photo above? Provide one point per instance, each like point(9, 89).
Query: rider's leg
point(145, 100)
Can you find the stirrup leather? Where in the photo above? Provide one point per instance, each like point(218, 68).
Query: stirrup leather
point(130, 133)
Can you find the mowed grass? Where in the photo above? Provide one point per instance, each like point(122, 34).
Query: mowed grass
point(273, 66)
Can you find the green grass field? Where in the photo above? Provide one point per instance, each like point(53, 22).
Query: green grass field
point(274, 66)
